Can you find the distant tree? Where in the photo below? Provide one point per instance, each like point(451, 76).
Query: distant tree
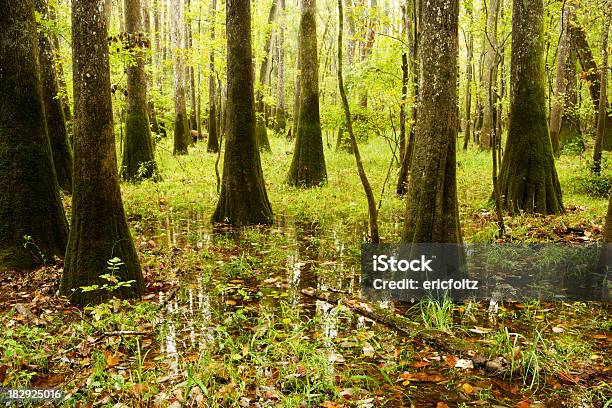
point(243, 200)
point(490, 71)
point(138, 157)
point(99, 231)
point(53, 103)
point(262, 130)
point(213, 141)
point(308, 165)
point(182, 135)
point(432, 213)
point(593, 78)
point(30, 204)
point(602, 114)
point(528, 178)
point(280, 122)
point(564, 124)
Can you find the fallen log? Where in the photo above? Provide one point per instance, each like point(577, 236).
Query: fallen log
point(441, 340)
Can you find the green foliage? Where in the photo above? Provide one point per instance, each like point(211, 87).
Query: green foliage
point(593, 184)
point(113, 279)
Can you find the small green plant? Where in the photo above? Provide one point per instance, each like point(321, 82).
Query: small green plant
point(113, 279)
point(437, 314)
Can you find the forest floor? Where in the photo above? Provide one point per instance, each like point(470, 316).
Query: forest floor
point(224, 321)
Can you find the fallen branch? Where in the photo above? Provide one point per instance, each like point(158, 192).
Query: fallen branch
point(442, 341)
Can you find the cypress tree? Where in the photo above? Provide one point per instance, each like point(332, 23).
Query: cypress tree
point(528, 178)
point(243, 199)
point(99, 231)
point(308, 164)
point(30, 204)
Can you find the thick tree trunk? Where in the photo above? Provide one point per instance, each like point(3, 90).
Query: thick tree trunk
point(138, 161)
point(99, 231)
point(54, 109)
point(30, 204)
point(564, 125)
point(603, 97)
point(243, 200)
point(528, 178)
point(308, 164)
point(182, 136)
point(490, 74)
point(281, 120)
point(213, 141)
point(432, 213)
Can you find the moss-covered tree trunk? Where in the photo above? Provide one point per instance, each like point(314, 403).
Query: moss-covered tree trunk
point(308, 164)
point(182, 135)
point(138, 158)
point(432, 213)
point(213, 141)
point(528, 178)
point(99, 231)
point(564, 124)
point(243, 200)
point(29, 198)
point(54, 109)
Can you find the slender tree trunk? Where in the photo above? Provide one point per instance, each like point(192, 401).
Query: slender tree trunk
point(603, 96)
point(308, 164)
point(563, 126)
point(589, 67)
point(213, 142)
point(33, 228)
point(99, 231)
point(432, 213)
point(490, 75)
point(296, 97)
point(413, 9)
point(281, 121)
point(190, 70)
point(54, 110)
point(243, 200)
point(138, 159)
point(528, 178)
point(468, 78)
point(350, 40)
point(262, 131)
point(182, 136)
point(373, 212)
point(146, 18)
point(61, 80)
point(403, 103)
